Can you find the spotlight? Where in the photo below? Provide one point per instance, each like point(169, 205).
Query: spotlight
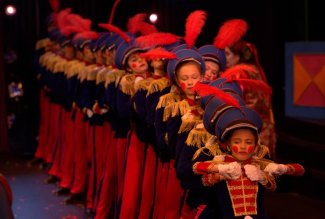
point(10, 10)
point(153, 18)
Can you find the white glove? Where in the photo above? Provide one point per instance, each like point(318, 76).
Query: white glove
point(103, 111)
point(230, 171)
point(89, 113)
point(276, 169)
point(254, 173)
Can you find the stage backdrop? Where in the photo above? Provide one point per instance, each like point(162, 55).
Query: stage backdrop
point(305, 80)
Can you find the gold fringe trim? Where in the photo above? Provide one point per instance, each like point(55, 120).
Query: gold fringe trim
point(167, 99)
point(100, 77)
point(197, 138)
point(143, 84)
point(82, 75)
point(188, 124)
point(60, 66)
point(158, 85)
point(91, 72)
point(42, 43)
point(211, 148)
point(174, 109)
point(69, 68)
point(113, 76)
point(127, 84)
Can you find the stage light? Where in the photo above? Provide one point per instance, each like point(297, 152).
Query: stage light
point(10, 10)
point(153, 18)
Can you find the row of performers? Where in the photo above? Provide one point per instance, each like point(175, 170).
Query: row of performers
point(135, 133)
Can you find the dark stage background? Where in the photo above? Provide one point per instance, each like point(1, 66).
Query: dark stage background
point(271, 24)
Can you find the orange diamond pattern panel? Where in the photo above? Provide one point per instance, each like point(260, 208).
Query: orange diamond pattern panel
point(309, 80)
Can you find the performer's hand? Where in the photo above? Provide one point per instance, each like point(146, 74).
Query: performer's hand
point(254, 173)
point(276, 169)
point(230, 171)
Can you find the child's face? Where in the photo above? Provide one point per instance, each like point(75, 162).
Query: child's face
point(187, 76)
point(211, 71)
point(137, 64)
point(242, 144)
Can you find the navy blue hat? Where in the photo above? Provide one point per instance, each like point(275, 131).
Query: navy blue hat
point(211, 53)
point(229, 87)
point(124, 50)
point(181, 56)
point(213, 107)
point(234, 118)
point(96, 45)
point(112, 41)
point(54, 34)
point(171, 47)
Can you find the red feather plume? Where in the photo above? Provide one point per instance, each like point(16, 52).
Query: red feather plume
point(91, 35)
point(206, 90)
point(193, 27)
point(256, 85)
point(137, 24)
point(134, 23)
point(62, 18)
point(158, 53)
point(230, 32)
point(156, 39)
point(77, 20)
point(68, 30)
point(239, 71)
point(117, 30)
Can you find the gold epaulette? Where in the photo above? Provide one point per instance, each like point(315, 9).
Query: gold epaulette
point(114, 76)
point(100, 76)
point(211, 147)
point(197, 137)
point(190, 120)
point(82, 75)
point(60, 65)
point(167, 99)
point(69, 68)
point(143, 84)
point(176, 108)
point(91, 72)
point(52, 61)
point(158, 85)
point(42, 43)
point(127, 84)
point(43, 60)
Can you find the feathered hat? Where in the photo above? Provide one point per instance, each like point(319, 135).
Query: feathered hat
point(187, 51)
point(127, 45)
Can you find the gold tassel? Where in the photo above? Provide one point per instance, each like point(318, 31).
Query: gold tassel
point(100, 77)
point(42, 43)
point(188, 125)
point(113, 76)
point(167, 99)
point(211, 148)
point(91, 72)
point(127, 84)
point(143, 84)
point(197, 138)
point(158, 85)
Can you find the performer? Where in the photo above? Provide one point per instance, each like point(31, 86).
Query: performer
point(238, 177)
